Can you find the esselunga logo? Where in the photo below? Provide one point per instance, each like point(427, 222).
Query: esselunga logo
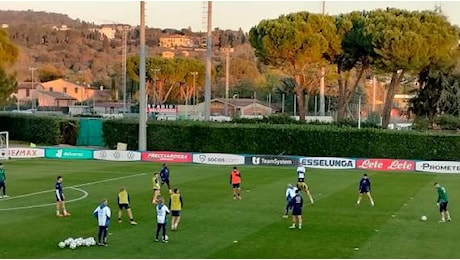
point(328, 162)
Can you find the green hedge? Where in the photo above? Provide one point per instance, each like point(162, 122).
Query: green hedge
point(44, 130)
point(309, 140)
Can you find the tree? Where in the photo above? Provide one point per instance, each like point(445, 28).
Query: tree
point(407, 42)
point(49, 72)
point(8, 85)
point(173, 82)
point(8, 56)
point(355, 57)
point(293, 43)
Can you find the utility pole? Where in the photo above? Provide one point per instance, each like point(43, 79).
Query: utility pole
point(207, 87)
point(142, 98)
point(32, 69)
point(125, 40)
point(227, 51)
point(322, 103)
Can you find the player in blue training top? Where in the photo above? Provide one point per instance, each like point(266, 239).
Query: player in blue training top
point(365, 188)
point(60, 204)
point(164, 174)
point(297, 204)
point(290, 194)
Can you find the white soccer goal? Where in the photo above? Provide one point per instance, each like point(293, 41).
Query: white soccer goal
point(4, 145)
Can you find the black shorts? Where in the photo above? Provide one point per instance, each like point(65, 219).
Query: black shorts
point(363, 191)
point(123, 206)
point(442, 206)
point(175, 213)
point(235, 185)
point(297, 211)
point(59, 200)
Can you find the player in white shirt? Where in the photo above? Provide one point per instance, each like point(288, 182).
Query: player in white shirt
point(162, 211)
point(103, 214)
point(301, 181)
point(290, 193)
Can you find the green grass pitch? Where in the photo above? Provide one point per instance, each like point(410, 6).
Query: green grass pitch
point(213, 225)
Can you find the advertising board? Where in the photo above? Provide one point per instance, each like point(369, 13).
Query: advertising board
point(218, 159)
point(165, 156)
point(115, 155)
point(68, 153)
point(328, 162)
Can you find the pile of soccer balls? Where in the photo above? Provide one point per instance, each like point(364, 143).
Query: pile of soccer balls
point(73, 243)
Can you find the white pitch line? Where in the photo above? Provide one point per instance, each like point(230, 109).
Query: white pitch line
point(85, 194)
point(73, 186)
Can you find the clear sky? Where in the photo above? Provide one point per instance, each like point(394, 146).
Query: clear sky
point(226, 14)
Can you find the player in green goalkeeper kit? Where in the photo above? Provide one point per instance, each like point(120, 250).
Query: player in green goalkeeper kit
point(442, 201)
point(2, 181)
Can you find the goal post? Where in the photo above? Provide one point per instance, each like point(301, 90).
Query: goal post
point(4, 145)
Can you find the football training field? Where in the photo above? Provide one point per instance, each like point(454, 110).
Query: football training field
point(213, 225)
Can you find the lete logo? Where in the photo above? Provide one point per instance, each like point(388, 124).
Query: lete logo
point(385, 165)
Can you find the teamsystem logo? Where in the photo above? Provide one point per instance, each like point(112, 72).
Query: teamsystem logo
point(257, 160)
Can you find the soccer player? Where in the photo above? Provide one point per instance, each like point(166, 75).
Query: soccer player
point(60, 204)
point(297, 204)
point(156, 187)
point(102, 213)
point(164, 174)
point(235, 182)
point(3, 181)
point(175, 204)
point(365, 188)
point(442, 201)
point(301, 185)
point(162, 211)
point(123, 203)
point(290, 194)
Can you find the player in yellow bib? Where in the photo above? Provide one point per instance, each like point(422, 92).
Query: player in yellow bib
point(123, 203)
point(156, 183)
point(175, 205)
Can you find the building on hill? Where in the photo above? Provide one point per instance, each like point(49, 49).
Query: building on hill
point(108, 32)
point(27, 92)
point(55, 99)
point(176, 41)
point(80, 93)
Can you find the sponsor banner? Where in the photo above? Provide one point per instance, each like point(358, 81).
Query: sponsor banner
point(272, 160)
point(115, 155)
point(386, 165)
point(161, 156)
point(22, 153)
point(218, 158)
point(162, 109)
point(438, 166)
point(68, 153)
point(328, 162)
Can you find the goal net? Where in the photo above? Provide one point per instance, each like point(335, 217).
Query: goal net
point(4, 144)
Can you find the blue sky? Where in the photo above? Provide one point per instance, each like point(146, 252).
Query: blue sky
point(226, 14)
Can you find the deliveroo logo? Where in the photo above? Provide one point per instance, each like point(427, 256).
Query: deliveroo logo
point(59, 153)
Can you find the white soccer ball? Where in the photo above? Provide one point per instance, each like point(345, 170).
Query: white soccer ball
point(423, 218)
point(73, 245)
point(166, 238)
point(61, 244)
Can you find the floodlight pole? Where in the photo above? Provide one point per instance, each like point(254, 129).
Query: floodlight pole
point(142, 98)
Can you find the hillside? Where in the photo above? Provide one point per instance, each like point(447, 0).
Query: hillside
point(85, 53)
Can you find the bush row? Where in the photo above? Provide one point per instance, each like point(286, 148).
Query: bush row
point(39, 129)
point(292, 139)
